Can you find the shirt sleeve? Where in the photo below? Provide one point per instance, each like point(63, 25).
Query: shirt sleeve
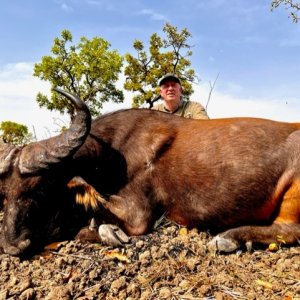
point(159, 107)
point(196, 111)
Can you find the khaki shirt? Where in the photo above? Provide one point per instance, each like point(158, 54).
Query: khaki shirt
point(186, 109)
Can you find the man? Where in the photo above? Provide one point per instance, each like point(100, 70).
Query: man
point(171, 93)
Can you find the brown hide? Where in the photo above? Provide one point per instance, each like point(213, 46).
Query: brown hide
point(215, 174)
point(239, 174)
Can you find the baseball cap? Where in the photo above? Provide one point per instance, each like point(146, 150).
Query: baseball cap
point(169, 76)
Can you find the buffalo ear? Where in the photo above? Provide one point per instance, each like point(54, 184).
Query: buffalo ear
point(85, 194)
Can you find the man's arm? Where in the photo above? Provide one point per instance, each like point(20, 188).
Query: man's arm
point(195, 110)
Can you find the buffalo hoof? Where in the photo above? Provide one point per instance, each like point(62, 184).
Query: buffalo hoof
point(89, 234)
point(16, 251)
point(219, 243)
point(112, 235)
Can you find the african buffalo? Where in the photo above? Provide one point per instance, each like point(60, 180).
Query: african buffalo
point(239, 177)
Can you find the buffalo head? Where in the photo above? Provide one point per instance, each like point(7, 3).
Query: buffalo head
point(31, 181)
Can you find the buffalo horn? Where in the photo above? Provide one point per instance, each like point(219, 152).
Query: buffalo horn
point(41, 155)
point(6, 153)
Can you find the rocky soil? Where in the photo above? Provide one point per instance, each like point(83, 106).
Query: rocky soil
point(169, 263)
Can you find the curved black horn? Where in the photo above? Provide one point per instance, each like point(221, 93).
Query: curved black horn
point(6, 154)
point(41, 155)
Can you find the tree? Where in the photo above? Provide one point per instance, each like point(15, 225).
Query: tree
point(290, 5)
point(14, 133)
point(88, 69)
point(165, 55)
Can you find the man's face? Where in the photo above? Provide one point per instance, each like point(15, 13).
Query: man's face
point(171, 91)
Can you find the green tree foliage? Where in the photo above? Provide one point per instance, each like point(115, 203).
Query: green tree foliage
point(290, 5)
point(88, 69)
point(14, 133)
point(165, 55)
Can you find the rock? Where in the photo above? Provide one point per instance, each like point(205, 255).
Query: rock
point(139, 244)
point(5, 265)
point(17, 287)
point(145, 257)
point(184, 284)
point(59, 293)
point(28, 294)
point(117, 285)
point(146, 295)
point(92, 292)
point(4, 294)
point(165, 293)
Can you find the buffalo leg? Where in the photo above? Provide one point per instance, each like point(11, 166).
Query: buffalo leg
point(232, 239)
point(129, 214)
point(132, 212)
point(285, 228)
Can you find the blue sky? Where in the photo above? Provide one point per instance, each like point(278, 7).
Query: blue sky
point(256, 52)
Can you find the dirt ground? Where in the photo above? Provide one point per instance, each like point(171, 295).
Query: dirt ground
point(169, 263)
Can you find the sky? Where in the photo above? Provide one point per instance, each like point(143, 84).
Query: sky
point(251, 53)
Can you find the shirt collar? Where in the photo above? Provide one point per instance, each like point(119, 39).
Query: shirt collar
point(178, 107)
